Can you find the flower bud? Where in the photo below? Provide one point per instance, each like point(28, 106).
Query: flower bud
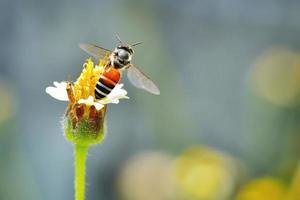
point(84, 124)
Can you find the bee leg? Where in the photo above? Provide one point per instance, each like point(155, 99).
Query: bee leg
point(107, 65)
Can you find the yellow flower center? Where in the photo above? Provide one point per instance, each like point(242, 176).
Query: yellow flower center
point(86, 82)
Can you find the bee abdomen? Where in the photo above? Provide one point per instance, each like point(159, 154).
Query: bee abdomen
point(106, 83)
point(101, 90)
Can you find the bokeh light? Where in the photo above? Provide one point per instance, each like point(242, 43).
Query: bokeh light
point(147, 176)
point(204, 173)
point(262, 189)
point(276, 76)
point(294, 188)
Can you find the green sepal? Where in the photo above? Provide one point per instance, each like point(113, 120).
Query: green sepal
point(85, 133)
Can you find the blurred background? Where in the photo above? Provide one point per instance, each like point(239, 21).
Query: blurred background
point(227, 122)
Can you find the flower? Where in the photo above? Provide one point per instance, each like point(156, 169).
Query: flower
point(84, 118)
point(59, 92)
point(83, 89)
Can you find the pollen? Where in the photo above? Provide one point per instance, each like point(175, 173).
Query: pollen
point(86, 82)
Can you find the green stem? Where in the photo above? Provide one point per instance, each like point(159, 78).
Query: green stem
point(80, 160)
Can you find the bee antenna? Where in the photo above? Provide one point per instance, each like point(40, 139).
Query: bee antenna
point(118, 38)
point(137, 43)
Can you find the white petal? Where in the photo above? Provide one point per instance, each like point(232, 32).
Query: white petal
point(114, 96)
point(58, 92)
point(98, 105)
point(90, 101)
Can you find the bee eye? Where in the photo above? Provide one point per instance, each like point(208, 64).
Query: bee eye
point(123, 54)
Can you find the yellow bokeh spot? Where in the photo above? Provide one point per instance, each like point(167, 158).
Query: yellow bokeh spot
point(276, 76)
point(86, 82)
point(203, 173)
point(262, 189)
point(294, 189)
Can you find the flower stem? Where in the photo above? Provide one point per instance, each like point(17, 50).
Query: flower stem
point(80, 160)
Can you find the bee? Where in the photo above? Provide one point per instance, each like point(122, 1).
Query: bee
point(116, 61)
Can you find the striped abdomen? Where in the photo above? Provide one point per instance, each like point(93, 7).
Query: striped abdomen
point(107, 81)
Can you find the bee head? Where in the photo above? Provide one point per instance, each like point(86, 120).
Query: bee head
point(126, 48)
point(124, 51)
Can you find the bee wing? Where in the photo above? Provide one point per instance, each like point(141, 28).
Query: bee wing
point(140, 80)
point(94, 50)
